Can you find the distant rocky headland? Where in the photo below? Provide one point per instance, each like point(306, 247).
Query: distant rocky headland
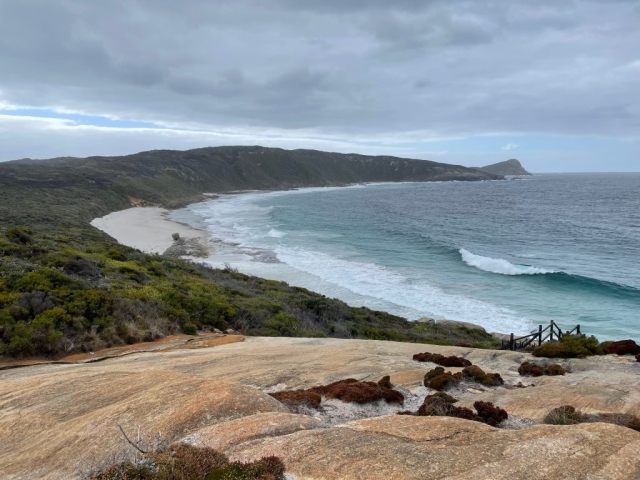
point(507, 168)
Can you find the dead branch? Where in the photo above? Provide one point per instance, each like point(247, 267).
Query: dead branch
point(130, 442)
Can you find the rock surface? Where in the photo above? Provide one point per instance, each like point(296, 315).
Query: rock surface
point(57, 421)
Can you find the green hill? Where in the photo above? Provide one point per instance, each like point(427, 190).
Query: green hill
point(72, 191)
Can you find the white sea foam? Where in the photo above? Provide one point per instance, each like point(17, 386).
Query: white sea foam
point(243, 221)
point(395, 289)
point(499, 265)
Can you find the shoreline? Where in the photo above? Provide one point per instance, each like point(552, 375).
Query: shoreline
point(148, 229)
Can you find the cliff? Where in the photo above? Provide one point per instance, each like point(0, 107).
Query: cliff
point(510, 167)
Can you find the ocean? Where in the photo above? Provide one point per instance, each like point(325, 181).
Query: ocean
point(508, 255)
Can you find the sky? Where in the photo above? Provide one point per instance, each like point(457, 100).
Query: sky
point(555, 84)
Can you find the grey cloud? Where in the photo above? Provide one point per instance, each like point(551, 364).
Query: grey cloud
point(358, 69)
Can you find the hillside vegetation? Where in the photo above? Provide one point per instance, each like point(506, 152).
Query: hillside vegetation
point(67, 287)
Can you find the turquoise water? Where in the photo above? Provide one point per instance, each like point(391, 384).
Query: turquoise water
point(508, 255)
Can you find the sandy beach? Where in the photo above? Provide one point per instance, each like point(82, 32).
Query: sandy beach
point(146, 228)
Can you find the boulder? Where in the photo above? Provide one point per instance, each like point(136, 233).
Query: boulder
point(456, 323)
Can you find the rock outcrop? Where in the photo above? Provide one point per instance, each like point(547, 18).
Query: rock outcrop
point(508, 168)
point(57, 421)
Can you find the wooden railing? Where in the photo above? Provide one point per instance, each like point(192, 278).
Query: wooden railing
point(548, 334)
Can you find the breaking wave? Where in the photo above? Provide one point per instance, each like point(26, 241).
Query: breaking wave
point(499, 265)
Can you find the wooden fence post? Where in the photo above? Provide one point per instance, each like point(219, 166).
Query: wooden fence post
point(578, 329)
point(512, 346)
point(539, 335)
point(551, 331)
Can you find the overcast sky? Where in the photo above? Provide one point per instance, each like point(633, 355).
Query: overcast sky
point(555, 84)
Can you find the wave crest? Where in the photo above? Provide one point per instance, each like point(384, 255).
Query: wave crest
point(499, 265)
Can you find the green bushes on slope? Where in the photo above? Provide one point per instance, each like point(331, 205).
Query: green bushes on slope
point(65, 294)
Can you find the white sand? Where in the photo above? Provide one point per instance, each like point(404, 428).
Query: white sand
point(147, 229)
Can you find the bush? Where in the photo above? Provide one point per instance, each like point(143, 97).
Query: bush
point(478, 375)
point(44, 280)
point(489, 413)
point(283, 324)
point(533, 370)
point(20, 235)
point(570, 346)
point(622, 347)
point(385, 382)
point(530, 369)
point(355, 391)
point(451, 361)
point(298, 398)
point(440, 380)
point(565, 415)
point(186, 462)
point(348, 390)
point(442, 405)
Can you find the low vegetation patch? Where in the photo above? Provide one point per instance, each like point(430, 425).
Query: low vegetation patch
point(295, 399)
point(349, 390)
point(622, 347)
point(568, 415)
point(478, 375)
point(443, 405)
point(450, 361)
point(570, 346)
point(186, 462)
point(440, 380)
point(535, 370)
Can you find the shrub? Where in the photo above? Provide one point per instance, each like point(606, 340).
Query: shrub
point(622, 347)
point(439, 405)
point(442, 405)
point(385, 382)
point(489, 413)
point(19, 235)
point(530, 369)
point(440, 380)
point(186, 462)
point(297, 398)
point(451, 361)
point(349, 390)
point(44, 280)
point(570, 346)
point(533, 370)
point(283, 324)
point(478, 375)
point(564, 415)
point(355, 391)
point(554, 369)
